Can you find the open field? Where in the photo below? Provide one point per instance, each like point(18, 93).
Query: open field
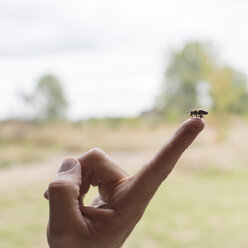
point(202, 204)
point(192, 210)
point(25, 143)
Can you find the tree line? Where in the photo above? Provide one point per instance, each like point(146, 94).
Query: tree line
point(194, 78)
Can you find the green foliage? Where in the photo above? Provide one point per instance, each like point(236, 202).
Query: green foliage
point(49, 99)
point(195, 79)
point(186, 69)
point(228, 90)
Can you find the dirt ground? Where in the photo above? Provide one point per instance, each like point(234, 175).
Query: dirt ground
point(20, 175)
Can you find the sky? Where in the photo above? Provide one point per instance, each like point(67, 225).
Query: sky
point(110, 56)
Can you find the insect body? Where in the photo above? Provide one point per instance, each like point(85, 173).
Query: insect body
point(198, 113)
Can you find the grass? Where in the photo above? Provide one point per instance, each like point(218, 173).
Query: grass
point(23, 218)
point(190, 210)
point(194, 211)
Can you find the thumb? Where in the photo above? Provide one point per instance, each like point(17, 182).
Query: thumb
point(64, 190)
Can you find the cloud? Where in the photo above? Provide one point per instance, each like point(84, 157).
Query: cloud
point(37, 27)
point(106, 48)
point(44, 26)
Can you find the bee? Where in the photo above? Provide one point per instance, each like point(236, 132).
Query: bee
point(198, 113)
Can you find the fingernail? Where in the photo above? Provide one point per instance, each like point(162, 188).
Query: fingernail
point(68, 164)
point(46, 194)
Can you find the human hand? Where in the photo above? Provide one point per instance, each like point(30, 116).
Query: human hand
point(122, 200)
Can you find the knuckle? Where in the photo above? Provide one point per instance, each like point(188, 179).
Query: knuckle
point(62, 187)
point(97, 153)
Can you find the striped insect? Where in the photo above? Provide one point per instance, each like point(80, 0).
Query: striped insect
point(198, 113)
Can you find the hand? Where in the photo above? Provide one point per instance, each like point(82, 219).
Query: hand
point(122, 199)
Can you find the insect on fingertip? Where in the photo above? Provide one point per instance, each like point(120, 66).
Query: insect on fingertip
point(198, 113)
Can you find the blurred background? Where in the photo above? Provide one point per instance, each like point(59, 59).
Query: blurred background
point(122, 75)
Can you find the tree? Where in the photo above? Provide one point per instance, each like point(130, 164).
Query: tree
point(49, 99)
point(228, 90)
point(194, 66)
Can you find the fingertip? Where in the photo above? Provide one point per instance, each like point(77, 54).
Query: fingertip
point(68, 164)
point(194, 124)
point(187, 132)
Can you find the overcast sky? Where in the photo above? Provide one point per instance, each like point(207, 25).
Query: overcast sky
point(109, 55)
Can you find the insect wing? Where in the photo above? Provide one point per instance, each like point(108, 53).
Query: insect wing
point(203, 112)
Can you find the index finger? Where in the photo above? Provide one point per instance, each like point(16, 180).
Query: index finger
point(147, 180)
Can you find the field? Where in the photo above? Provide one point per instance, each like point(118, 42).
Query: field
point(202, 204)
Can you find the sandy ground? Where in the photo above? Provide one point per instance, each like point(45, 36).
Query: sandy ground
point(20, 175)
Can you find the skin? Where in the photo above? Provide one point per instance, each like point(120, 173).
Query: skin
point(122, 199)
